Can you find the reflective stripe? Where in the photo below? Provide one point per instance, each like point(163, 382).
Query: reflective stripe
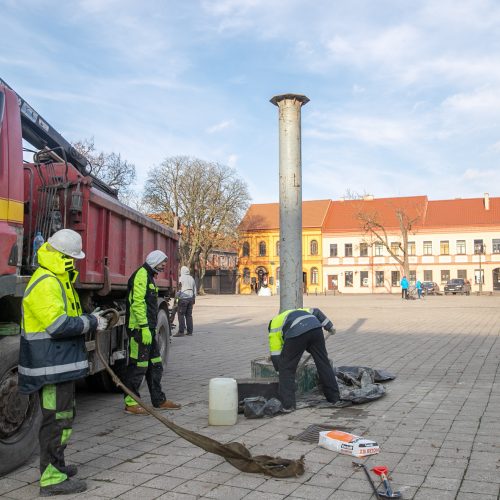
point(49, 397)
point(142, 364)
point(275, 353)
point(130, 401)
point(35, 336)
point(48, 275)
point(53, 370)
point(86, 324)
point(156, 360)
point(134, 349)
point(51, 475)
point(273, 330)
point(64, 415)
point(57, 323)
point(66, 433)
point(325, 322)
point(28, 290)
point(298, 320)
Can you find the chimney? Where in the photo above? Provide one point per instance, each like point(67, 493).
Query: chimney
point(486, 201)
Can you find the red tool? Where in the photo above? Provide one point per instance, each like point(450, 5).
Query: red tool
point(382, 471)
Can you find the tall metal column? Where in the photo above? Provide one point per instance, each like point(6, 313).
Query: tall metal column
point(290, 199)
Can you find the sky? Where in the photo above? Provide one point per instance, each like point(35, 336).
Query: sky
point(404, 96)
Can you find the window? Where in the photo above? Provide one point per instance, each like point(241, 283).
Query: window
point(461, 247)
point(333, 250)
point(395, 279)
point(379, 249)
point(363, 249)
point(348, 250)
point(462, 274)
point(262, 249)
point(478, 246)
point(363, 278)
point(379, 278)
point(427, 247)
point(479, 276)
point(314, 247)
point(496, 246)
point(445, 276)
point(348, 278)
point(245, 251)
point(411, 248)
point(395, 247)
point(444, 247)
point(428, 275)
point(413, 277)
point(246, 276)
point(277, 249)
point(314, 275)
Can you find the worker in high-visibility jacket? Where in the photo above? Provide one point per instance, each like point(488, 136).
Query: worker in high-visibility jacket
point(144, 352)
point(52, 353)
point(290, 334)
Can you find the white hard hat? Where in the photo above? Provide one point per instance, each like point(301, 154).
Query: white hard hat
point(155, 258)
point(68, 242)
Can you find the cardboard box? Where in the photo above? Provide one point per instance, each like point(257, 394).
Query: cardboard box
point(348, 444)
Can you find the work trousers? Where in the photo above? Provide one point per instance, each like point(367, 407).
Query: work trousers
point(313, 342)
point(144, 361)
point(185, 315)
point(57, 402)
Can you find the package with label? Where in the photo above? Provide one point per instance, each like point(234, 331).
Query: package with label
point(348, 444)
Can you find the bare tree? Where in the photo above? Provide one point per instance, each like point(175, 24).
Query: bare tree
point(109, 167)
point(208, 198)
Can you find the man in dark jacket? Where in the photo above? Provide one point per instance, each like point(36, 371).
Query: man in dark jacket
point(144, 352)
point(52, 354)
point(290, 334)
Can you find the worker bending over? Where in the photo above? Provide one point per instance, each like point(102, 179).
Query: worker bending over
point(53, 355)
point(290, 334)
point(144, 352)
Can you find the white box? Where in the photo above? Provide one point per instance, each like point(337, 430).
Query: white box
point(347, 444)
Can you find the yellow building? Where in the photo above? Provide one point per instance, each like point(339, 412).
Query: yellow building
point(259, 260)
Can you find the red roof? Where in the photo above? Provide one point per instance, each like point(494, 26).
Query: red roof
point(265, 216)
point(463, 212)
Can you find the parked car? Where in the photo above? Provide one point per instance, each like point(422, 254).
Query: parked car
point(430, 288)
point(457, 285)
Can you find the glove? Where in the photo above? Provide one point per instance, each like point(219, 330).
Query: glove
point(147, 338)
point(102, 322)
point(276, 362)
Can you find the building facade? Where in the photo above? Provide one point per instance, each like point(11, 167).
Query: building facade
point(447, 239)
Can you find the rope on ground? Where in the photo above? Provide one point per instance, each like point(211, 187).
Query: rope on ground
point(235, 453)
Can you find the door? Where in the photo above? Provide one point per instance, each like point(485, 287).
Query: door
point(496, 278)
point(333, 280)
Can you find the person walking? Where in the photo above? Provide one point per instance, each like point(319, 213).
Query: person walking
point(290, 334)
point(144, 352)
point(418, 285)
point(52, 354)
point(186, 297)
point(404, 288)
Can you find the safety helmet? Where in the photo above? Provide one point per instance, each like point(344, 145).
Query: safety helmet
point(155, 258)
point(68, 242)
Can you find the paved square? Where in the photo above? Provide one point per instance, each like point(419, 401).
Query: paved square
point(438, 427)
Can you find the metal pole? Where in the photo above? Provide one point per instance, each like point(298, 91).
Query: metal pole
point(290, 183)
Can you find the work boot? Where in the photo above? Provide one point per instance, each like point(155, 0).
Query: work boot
point(189, 333)
point(168, 405)
point(178, 334)
point(136, 410)
point(67, 487)
point(69, 470)
point(341, 403)
point(287, 410)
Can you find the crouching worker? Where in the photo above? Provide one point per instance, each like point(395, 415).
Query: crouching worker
point(144, 352)
point(290, 334)
point(52, 354)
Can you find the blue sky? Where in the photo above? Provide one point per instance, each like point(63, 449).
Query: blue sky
point(405, 96)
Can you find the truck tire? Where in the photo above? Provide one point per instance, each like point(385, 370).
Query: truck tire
point(163, 336)
point(20, 415)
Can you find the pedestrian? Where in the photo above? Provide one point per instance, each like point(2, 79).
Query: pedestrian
point(186, 297)
point(404, 288)
point(418, 284)
point(144, 352)
point(290, 334)
point(52, 354)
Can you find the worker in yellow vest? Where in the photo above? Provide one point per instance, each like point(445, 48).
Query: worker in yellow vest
point(52, 354)
point(291, 333)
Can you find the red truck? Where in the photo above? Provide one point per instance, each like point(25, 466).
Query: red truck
point(57, 190)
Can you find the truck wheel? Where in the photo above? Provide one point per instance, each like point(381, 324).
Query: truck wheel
point(102, 381)
point(20, 415)
point(163, 336)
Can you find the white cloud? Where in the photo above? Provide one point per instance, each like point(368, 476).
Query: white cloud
point(232, 160)
point(220, 126)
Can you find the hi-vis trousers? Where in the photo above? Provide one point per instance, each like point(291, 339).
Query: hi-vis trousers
point(58, 405)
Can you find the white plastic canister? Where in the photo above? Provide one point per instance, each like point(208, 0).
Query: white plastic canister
point(222, 401)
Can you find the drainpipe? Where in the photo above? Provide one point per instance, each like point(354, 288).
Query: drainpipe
point(290, 184)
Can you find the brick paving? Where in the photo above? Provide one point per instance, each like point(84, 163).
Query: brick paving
point(438, 426)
